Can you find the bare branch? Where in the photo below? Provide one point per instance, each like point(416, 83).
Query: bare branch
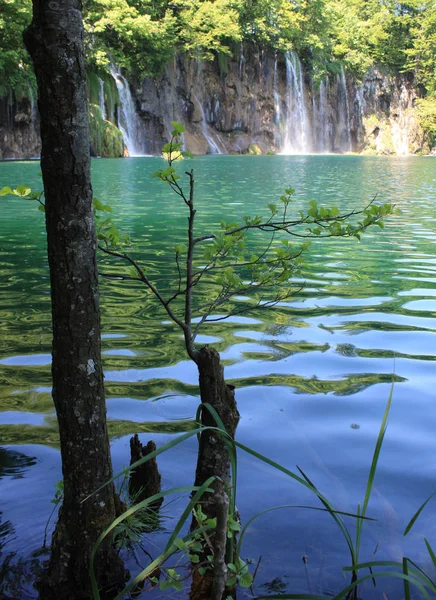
point(146, 281)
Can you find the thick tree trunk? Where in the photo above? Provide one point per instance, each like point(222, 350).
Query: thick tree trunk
point(55, 43)
point(213, 459)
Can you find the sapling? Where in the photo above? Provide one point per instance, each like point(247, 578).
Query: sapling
point(225, 262)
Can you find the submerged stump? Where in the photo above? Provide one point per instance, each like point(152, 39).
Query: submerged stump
point(145, 480)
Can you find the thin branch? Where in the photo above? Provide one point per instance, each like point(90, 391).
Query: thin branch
point(287, 225)
point(146, 281)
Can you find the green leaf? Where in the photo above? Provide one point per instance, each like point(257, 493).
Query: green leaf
point(5, 191)
point(180, 544)
point(178, 127)
point(41, 207)
point(245, 580)
point(100, 206)
point(22, 191)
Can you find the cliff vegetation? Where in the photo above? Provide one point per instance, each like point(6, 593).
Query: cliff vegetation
point(328, 35)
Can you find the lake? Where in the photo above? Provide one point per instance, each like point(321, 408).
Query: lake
point(313, 375)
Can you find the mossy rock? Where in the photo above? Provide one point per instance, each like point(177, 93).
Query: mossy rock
point(254, 150)
point(106, 138)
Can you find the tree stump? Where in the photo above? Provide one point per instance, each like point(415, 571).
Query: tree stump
point(145, 480)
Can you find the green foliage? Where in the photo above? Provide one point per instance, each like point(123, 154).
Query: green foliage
point(15, 70)
point(426, 110)
point(25, 192)
point(106, 139)
point(141, 36)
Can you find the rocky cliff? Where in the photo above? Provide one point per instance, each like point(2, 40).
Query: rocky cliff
point(271, 101)
point(255, 102)
point(19, 127)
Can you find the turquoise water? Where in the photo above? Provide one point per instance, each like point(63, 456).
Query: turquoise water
point(313, 375)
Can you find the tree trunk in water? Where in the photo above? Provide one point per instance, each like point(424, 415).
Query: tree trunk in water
point(145, 480)
point(213, 459)
point(55, 42)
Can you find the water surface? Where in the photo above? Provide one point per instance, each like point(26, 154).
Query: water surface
point(313, 375)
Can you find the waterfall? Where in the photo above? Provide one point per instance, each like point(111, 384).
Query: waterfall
point(128, 120)
point(400, 136)
point(241, 62)
point(297, 122)
point(277, 106)
point(210, 136)
point(205, 130)
point(320, 133)
point(101, 99)
point(323, 126)
point(344, 116)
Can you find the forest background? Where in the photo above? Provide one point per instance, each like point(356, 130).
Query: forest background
point(141, 36)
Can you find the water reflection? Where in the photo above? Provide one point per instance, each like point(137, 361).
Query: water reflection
point(305, 371)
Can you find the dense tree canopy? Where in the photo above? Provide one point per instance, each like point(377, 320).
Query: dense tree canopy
point(142, 35)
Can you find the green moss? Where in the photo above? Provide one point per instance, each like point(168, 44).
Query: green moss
point(113, 145)
point(111, 98)
point(106, 139)
point(223, 64)
point(254, 150)
point(93, 83)
point(426, 112)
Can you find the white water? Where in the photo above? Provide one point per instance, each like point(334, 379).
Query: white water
point(101, 99)
point(345, 112)
point(128, 120)
point(277, 106)
point(400, 138)
point(296, 135)
point(206, 131)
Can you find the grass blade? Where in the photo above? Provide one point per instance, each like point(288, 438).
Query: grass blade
point(416, 515)
point(406, 583)
point(187, 512)
point(430, 551)
point(344, 593)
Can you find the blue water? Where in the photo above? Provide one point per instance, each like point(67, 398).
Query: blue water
point(313, 374)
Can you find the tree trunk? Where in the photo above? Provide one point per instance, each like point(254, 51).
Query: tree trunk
point(213, 459)
point(55, 42)
point(145, 480)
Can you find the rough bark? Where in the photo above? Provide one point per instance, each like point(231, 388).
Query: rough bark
point(213, 459)
point(145, 480)
point(55, 42)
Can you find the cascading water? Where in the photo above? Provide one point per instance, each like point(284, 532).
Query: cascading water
point(344, 115)
point(277, 106)
point(215, 145)
point(321, 124)
point(128, 120)
point(241, 62)
point(101, 99)
point(205, 130)
point(296, 135)
point(400, 137)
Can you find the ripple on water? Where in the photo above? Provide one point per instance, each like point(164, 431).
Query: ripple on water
point(421, 306)
point(28, 360)
point(11, 417)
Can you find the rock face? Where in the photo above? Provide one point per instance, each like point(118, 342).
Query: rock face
point(256, 100)
point(270, 101)
point(19, 127)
